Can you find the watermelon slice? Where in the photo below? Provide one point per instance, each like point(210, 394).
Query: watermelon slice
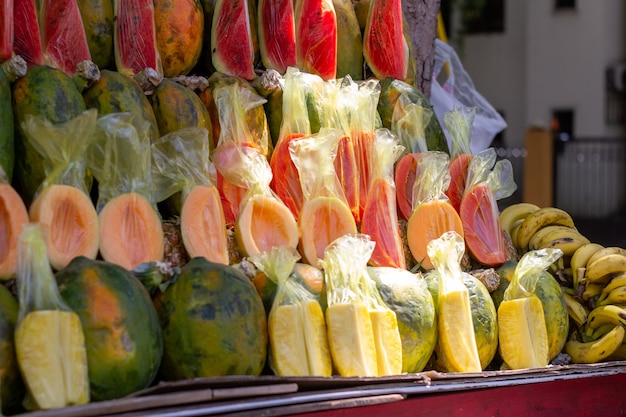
point(316, 37)
point(232, 49)
point(384, 46)
point(134, 38)
point(277, 34)
point(483, 233)
point(26, 36)
point(6, 29)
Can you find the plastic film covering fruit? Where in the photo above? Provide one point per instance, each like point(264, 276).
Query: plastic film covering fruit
point(49, 339)
point(232, 45)
point(325, 215)
point(432, 214)
point(181, 163)
point(459, 122)
point(62, 203)
point(297, 88)
point(350, 331)
point(130, 225)
point(487, 182)
point(456, 338)
point(26, 34)
point(277, 34)
point(408, 123)
point(384, 46)
point(523, 333)
point(6, 31)
point(316, 37)
point(13, 217)
point(380, 215)
point(297, 327)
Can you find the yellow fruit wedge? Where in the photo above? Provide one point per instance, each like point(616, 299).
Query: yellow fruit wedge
point(522, 333)
point(351, 339)
point(50, 348)
point(298, 340)
point(388, 341)
point(456, 331)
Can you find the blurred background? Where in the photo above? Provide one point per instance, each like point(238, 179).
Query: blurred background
point(556, 71)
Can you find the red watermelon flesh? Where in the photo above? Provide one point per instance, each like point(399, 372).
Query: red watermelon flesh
point(277, 34)
point(63, 36)
point(232, 49)
point(404, 178)
point(6, 29)
point(316, 37)
point(26, 36)
point(483, 234)
point(285, 175)
point(134, 37)
point(383, 40)
point(380, 222)
point(348, 174)
point(459, 168)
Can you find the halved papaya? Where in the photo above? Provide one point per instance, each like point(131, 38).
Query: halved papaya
point(70, 221)
point(458, 177)
point(264, 222)
point(130, 231)
point(429, 221)
point(203, 226)
point(13, 215)
point(321, 221)
point(404, 178)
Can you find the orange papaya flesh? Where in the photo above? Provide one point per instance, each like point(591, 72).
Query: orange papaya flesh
point(26, 34)
point(13, 216)
point(277, 34)
point(348, 174)
point(115, 92)
point(97, 16)
point(285, 176)
point(458, 176)
point(179, 26)
point(70, 219)
point(64, 41)
point(203, 226)
point(404, 177)
point(6, 30)
point(483, 233)
point(134, 38)
point(232, 48)
point(429, 221)
point(383, 40)
point(123, 338)
point(316, 37)
point(380, 222)
point(130, 231)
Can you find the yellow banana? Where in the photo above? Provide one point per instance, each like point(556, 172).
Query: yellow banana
point(514, 231)
point(609, 250)
point(567, 244)
point(579, 259)
point(616, 281)
point(606, 314)
point(591, 290)
point(576, 310)
point(603, 269)
point(538, 219)
point(515, 214)
point(597, 350)
point(547, 234)
point(617, 296)
point(601, 331)
point(619, 354)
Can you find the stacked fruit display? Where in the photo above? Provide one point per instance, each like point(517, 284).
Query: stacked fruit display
point(292, 207)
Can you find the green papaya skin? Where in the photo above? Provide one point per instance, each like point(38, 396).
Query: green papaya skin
point(47, 93)
point(349, 41)
point(97, 16)
point(7, 140)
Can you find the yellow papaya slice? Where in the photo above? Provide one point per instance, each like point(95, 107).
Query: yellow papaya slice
point(71, 221)
point(130, 231)
point(203, 226)
point(13, 215)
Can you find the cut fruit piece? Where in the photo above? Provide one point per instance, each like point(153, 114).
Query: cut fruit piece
point(458, 177)
point(6, 31)
point(263, 223)
point(232, 48)
point(522, 333)
point(130, 231)
point(388, 342)
point(13, 216)
point(277, 34)
point(71, 223)
point(348, 174)
point(321, 221)
point(384, 46)
point(285, 176)
point(26, 35)
point(428, 222)
point(404, 177)
point(231, 196)
point(203, 226)
point(316, 37)
point(351, 339)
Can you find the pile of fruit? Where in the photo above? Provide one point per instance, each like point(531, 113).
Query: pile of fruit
point(244, 188)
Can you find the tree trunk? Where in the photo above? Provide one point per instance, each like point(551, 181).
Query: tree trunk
point(421, 17)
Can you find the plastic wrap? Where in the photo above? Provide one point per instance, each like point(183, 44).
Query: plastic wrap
point(459, 122)
point(6, 30)
point(277, 34)
point(316, 32)
point(27, 39)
